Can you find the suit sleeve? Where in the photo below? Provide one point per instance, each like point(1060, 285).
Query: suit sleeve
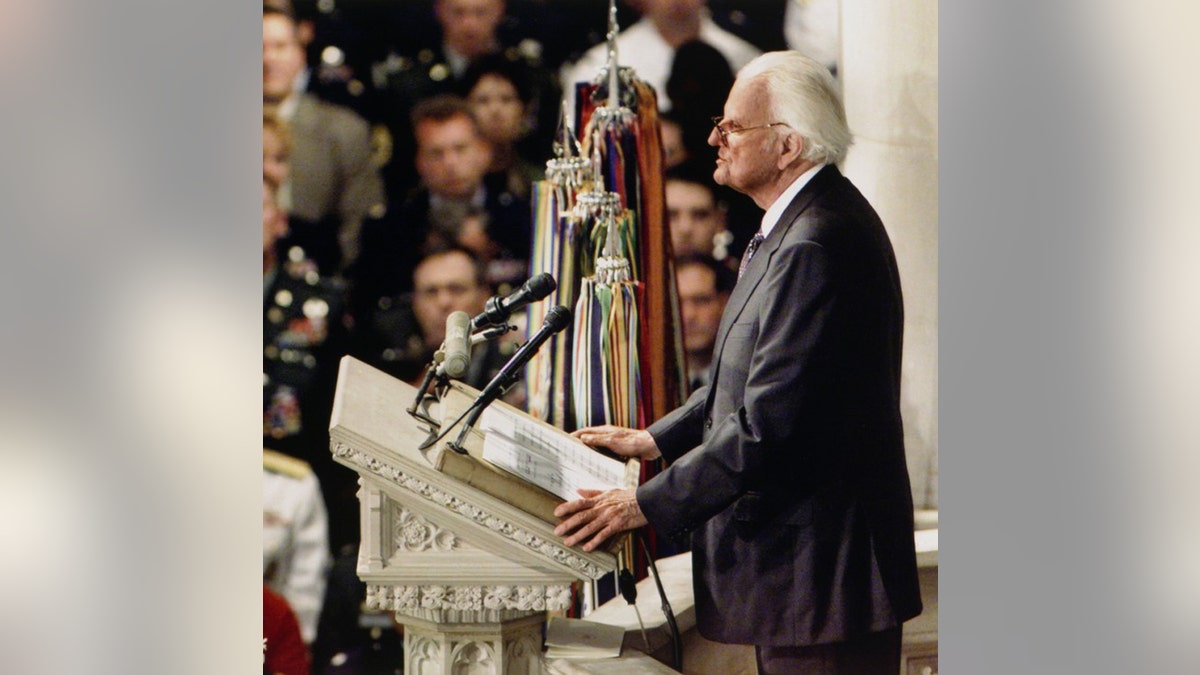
point(681, 429)
point(772, 363)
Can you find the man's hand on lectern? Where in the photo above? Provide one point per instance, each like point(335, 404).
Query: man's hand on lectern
point(623, 441)
point(598, 516)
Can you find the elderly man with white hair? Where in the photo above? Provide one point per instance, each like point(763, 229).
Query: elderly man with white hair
point(787, 470)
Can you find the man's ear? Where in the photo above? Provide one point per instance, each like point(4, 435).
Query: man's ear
point(306, 30)
point(792, 150)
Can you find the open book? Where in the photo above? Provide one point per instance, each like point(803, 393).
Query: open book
point(546, 457)
point(530, 464)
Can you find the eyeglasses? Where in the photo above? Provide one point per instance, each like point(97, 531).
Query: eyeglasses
point(726, 133)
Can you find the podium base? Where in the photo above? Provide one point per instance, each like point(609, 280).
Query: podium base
point(511, 647)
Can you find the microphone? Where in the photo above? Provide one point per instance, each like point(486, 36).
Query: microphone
point(456, 349)
point(556, 319)
point(497, 310)
point(452, 360)
point(457, 346)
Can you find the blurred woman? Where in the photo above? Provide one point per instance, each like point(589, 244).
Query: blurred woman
point(501, 98)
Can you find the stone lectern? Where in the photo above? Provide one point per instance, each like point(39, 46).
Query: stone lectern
point(462, 552)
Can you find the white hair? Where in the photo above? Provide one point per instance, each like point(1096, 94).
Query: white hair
point(803, 94)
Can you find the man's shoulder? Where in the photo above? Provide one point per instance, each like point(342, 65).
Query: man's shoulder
point(300, 293)
point(523, 52)
point(498, 197)
point(301, 274)
point(635, 36)
point(317, 114)
point(278, 464)
point(836, 192)
point(419, 75)
point(736, 50)
point(837, 217)
point(642, 29)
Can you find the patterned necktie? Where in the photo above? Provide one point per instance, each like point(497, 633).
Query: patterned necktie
point(750, 249)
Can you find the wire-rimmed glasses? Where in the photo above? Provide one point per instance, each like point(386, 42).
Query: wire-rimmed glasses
point(726, 133)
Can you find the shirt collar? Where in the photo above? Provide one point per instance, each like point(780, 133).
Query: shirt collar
point(771, 217)
point(287, 107)
point(457, 62)
point(478, 200)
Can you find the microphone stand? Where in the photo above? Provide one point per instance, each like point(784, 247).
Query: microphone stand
point(423, 390)
point(475, 411)
point(556, 319)
point(435, 372)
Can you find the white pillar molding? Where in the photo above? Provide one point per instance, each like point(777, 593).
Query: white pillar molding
point(889, 74)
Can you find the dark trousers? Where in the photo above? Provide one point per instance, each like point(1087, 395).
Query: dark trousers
point(871, 654)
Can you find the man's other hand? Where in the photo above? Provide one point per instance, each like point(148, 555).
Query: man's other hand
point(620, 440)
point(597, 517)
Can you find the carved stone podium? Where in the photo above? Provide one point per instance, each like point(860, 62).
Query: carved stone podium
point(463, 553)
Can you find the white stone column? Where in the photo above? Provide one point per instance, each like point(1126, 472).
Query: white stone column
point(889, 74)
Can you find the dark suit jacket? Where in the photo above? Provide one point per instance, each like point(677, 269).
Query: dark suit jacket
point(393, 244)
point(788, 470)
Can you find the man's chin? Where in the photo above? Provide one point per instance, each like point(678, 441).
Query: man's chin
point(721, 173)
point(274, 95)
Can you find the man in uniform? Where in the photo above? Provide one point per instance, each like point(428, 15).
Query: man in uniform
point(402, 338)
point(304, 335)
point(295, 537)
point(452, 158)
point(469, 29)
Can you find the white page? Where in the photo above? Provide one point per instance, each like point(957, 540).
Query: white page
point(559, 464)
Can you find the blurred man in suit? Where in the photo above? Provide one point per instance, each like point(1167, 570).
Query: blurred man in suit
point(452, 159)
point(695, 217)
point(787, 470)
point(704, 285)
point(332, 182)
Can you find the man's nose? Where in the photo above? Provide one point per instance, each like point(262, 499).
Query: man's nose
point(445, 299)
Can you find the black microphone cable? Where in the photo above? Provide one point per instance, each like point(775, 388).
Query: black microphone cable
point(672, 626)
point(447, 428)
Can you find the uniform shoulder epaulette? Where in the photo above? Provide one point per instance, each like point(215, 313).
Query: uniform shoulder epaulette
point(527, 52)
point(301, 268)
point(277, 462)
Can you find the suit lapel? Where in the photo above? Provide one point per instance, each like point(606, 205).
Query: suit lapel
point(757, 269)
